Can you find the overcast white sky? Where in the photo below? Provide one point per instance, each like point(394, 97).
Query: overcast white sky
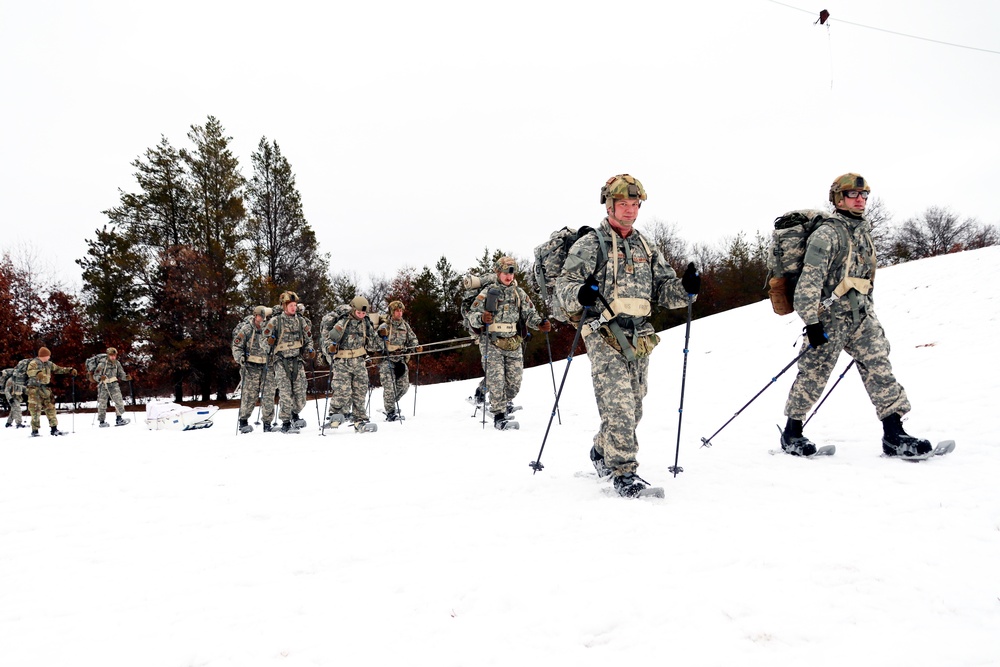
point(421, 129)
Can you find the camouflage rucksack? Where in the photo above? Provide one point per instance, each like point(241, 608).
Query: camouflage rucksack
point(4, 376)
point(550, 258)
point(787, 252)
point(93, 363)
point(21, 372)
point(472, 285)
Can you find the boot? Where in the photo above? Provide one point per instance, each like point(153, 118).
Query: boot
point(897, 442)
point(103, 424)
point(792, 440)
point(629, 485)
point(245, 427)
point(599, 465)
point(391, 416)
point(55, 431)
point(34, 433)
point(289, 427)
point(298, 421)
point(499, 421)
point(120, 421)
point(9, 424)
point(267, 427)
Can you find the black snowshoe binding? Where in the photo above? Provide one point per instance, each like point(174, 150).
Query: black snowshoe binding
point(501, 423)
point(298, 421)
point(55, 431)
point(268, 427)
point(365, 426)
point(121, 421)
point(103, 424)
point(288, 427)
point(897, 442)
point(245, 427)
point(793, 442)
point(393, 416)
point(629, 485)
point(599, 465)
point(478, 398)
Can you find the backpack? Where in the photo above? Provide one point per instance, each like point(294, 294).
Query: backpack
point(787, 252)
point(21, 372)
point(472, 285)
point(550, 258)
point(92, 364)
point(4, 375)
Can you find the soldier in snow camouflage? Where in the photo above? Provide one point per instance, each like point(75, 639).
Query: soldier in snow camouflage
point(250, 351)
point(40, 371)
point(503, 359)
point(397, 336)
point(107, 375)
point(633, 278)
point(348, 342)
point(290, 343)
point(14, 394)
point(840, 259)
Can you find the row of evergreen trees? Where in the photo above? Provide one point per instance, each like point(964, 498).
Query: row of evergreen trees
point(184, 257)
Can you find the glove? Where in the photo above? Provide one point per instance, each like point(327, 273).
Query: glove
point(73, 373)
point(128, 378)
point(545, 326)
point(587, 296)
point(383, 331)
point(310, 353)
point(271, 341)
point(816, 334)
point(487, 317)
point(420, 348)
point(691, 281)
point(332, 349)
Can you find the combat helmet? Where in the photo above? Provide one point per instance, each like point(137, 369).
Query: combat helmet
point(505, 263)
point(288, 296)
point(359, 303)
point(263, 311)
point(622, 186)
point(396, 305)
point(844, 183)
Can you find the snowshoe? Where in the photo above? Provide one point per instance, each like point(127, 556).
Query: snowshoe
point(289, 427)
point(897, 442)
point(501, 423)
point(55, 431)
point(393, 416)
point(103, 424)
point(268, 427)
point(245, 427)
point(793, 442)
point(511, 408)
point(334, 420)
point(478, 398)
point(298, 421)
point(365, 426)
point(121, 422)
point(631, 485)
point(34, 433)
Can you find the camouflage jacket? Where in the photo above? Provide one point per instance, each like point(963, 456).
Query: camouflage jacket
point(639, 275)
point(399, 335)
point(40, 372)
point(250, 343)
point(292, 335)
point(105, 372)
point(349, 334)
point(513, 306)
point(825, 264)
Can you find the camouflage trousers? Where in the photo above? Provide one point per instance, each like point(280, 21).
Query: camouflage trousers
point(349, 387)
point(39, 401)
point(105, 391)
point(619, 387)
point(393, 387)
point(14, 400)
point(254, 379)
point(504, 369)
point(288, 376)
point(865, 341)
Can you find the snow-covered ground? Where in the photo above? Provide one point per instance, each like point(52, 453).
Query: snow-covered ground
point(431, 541)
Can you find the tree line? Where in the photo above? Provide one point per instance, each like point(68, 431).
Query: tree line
point(185, 256)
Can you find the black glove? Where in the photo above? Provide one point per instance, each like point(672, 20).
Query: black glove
point(587, 296)
point(691, 281)
point(816, 334)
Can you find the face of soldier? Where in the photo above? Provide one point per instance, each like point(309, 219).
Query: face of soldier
point(855, 204)
point(291, 308)
point(359, 314)
point(45, 358)
point(112, 358)
point(258, 320)
point(624, 213)
point(397, 314)
point(506, 278)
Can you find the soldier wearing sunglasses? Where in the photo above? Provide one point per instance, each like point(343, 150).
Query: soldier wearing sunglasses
point(833, 297)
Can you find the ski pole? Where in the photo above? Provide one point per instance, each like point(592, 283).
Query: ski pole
point(312, 381)
point(707, 442)
point(239, 409)
point(552, 371)
point(820, 404)
point(680, 410)
point(72, 382)
point(536, 465)
point(326, 401)
point(416, 385)
point(486, 365)
point(131, 393)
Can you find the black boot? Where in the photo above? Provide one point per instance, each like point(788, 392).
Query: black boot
point(793, 442)
point(55, 431)
point(298, 421)
point(245, 427)
point(896, 441)
point(599, 465)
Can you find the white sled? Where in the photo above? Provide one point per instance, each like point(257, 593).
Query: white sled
point(174, 417)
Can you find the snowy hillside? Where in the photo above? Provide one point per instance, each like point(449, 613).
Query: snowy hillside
point(431, 541)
